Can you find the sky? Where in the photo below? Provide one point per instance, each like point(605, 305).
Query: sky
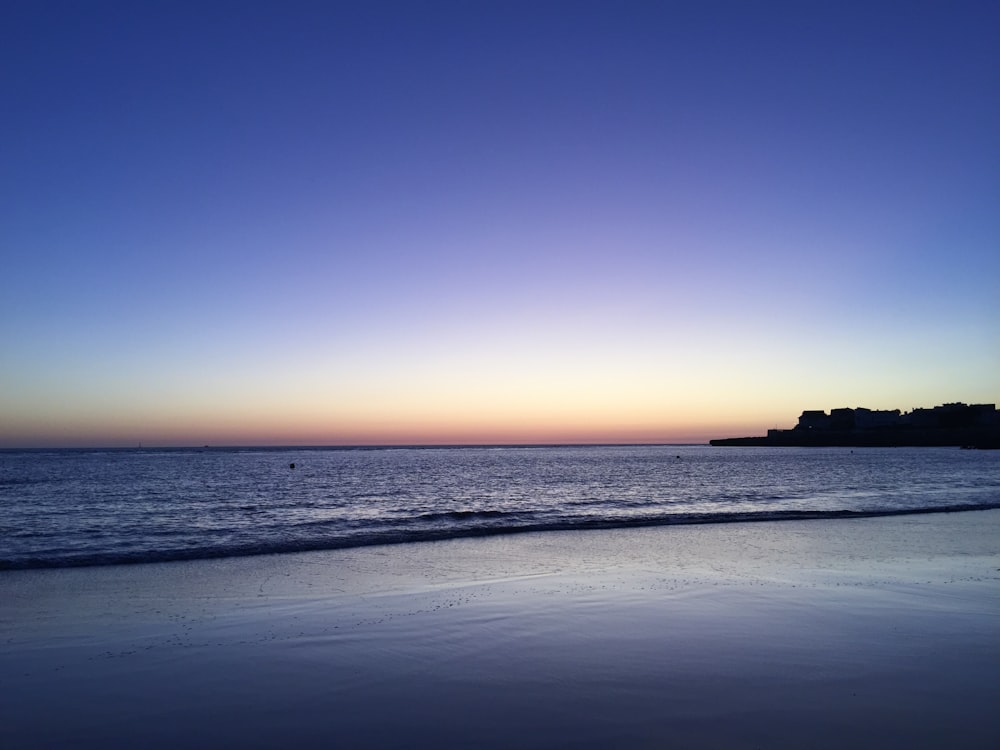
point(239, 223)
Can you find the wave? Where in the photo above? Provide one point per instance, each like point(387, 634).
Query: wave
point(465, 515)
point(490, 523)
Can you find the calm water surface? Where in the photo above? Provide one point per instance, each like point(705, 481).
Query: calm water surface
point(62, 508)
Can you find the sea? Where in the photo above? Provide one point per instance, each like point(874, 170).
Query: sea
point(65, 508)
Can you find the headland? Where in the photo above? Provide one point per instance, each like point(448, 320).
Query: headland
point(956, 424)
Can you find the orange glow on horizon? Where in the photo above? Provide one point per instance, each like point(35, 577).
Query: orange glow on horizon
point(250, 432)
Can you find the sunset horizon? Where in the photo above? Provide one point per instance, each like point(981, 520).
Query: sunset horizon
point(500, 374)
point(416, 435)
point(386, 223)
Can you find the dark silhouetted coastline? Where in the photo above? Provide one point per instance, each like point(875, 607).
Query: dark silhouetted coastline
point(955, 424)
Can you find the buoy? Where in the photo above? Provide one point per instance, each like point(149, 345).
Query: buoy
point(291, 466)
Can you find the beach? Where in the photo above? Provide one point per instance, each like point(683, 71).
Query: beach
point(874, 632)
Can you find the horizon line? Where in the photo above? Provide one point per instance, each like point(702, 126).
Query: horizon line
point(343, 446)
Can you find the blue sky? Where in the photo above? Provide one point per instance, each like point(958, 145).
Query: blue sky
point(491, 222)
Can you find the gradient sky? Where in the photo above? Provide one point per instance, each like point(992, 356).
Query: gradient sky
point(427, 222)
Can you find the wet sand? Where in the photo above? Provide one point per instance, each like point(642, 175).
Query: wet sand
point(881, 632)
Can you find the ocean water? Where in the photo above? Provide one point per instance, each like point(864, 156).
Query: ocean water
point(79, 507)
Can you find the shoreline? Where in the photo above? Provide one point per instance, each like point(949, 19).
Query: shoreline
point(880, 632)
point(965, 440)
point(430, 536)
